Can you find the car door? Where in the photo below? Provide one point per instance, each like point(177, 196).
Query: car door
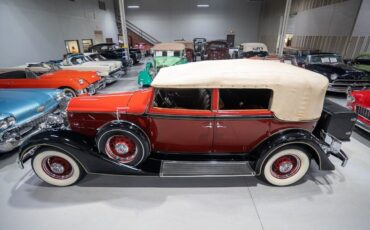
point(183, 126)
point(242, 119)
point(16, 79)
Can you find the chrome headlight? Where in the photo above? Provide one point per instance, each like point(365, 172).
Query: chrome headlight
point(11, 121)
point(152, 72)
point(81, 81)
point(333, 76)
point(7, 122)
point(59, 96)
point(98, 73)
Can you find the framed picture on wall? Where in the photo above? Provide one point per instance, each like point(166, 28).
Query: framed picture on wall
point(86, 44)
point(72, 46)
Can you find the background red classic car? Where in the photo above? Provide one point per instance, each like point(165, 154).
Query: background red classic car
point(359, 102)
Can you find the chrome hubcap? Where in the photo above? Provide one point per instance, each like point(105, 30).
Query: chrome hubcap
point(121, 148)
point(57, 168)
point(285, 167)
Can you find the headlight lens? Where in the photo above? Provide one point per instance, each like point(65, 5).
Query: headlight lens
point(59, 96)
point(11, 121)
point(152, 72)
point(333, 76)
point(81, 81)
point(5, 123)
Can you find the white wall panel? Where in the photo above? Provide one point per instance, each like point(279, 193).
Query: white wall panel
point(35, 30)
point(167, 20)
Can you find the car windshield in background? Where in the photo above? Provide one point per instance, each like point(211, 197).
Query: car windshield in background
point(169, 53)
point(77, 60)
point(324, 59)
point(217, 46)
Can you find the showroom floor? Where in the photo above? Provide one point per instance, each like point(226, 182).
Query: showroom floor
point(324, 200)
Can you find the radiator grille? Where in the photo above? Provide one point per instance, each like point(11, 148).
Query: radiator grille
point(363, 112)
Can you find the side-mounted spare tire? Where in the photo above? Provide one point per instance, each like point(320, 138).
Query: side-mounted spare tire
point(123, 142)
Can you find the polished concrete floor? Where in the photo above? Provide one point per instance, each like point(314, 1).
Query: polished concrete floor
point(323, 200)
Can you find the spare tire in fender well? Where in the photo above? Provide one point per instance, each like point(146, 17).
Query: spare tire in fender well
point(124, 126)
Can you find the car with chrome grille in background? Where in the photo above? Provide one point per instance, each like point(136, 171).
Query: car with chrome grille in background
point(41, 75)
point(340, 75)
point(25, 112)
point(216, 50)
point(111, 72)
point(359, 102)
point(212, 118)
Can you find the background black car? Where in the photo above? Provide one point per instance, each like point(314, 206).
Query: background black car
point(297, 56)
point(113, 51)
point(340, 75)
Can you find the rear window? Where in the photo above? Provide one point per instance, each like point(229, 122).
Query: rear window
point(244, 99)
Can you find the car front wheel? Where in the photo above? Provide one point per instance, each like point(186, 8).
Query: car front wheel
point(286, 166)
point(124, 146)
point(56, 167)
point(69, 92)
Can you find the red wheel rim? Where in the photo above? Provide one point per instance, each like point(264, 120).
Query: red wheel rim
point(121, 148)
point(57, 167)
point(285, 166)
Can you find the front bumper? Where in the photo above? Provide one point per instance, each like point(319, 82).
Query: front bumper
point(13, 138)
point(362, 125)
point(341, 86)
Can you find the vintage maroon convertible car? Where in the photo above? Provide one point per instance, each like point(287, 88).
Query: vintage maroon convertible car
point(217, 50)
point(211, 118)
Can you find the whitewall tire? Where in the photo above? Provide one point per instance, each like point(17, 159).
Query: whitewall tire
point(286, 166)
point(56, 167)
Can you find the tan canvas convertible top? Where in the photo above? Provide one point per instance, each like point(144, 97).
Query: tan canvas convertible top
point(169, 46)
point(188, 44)
point(298, 94)
point(257, 47)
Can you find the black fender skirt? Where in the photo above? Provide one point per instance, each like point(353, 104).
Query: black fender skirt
point(83, 150)
point(299, 137)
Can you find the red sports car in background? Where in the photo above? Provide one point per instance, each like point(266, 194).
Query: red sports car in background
point(359, 102)
point(145, 48)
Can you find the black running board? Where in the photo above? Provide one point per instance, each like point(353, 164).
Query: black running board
point(206, 169)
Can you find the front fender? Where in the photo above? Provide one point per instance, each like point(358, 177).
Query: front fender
point(299, 137)
point(80, 147)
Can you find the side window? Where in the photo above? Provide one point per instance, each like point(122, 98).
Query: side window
point(244, 99)
point(13, 75)
point(197, 99)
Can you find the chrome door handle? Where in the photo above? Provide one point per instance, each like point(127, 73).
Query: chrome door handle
point(209, 125)
point(218, 125)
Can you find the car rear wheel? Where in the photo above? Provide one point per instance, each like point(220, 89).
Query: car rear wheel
point(286, 166)
point(69, 92)
point(57, 168)
point(123, 146)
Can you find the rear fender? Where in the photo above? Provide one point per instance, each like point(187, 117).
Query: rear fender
point(300, 137)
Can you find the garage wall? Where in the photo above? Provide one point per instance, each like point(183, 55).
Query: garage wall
point(360, 40)
point(167, 20)
point(271, 15)
point(328, 28)
point(35, 30)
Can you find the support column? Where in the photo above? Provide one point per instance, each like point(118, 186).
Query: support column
point(284, 27)
point(123, 26)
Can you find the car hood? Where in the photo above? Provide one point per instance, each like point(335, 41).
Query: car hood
point(27, 104)
point(88, 76)
point(362, 97)
point(130, 102)
point(103, 70)
point(111, 64)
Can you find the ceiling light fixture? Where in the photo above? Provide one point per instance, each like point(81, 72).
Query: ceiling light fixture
point(202, 5)
point(133, 7)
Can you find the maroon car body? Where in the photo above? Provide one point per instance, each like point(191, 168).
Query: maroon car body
point(217, 50)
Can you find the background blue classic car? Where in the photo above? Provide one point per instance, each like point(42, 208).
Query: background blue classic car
point(24, 112)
